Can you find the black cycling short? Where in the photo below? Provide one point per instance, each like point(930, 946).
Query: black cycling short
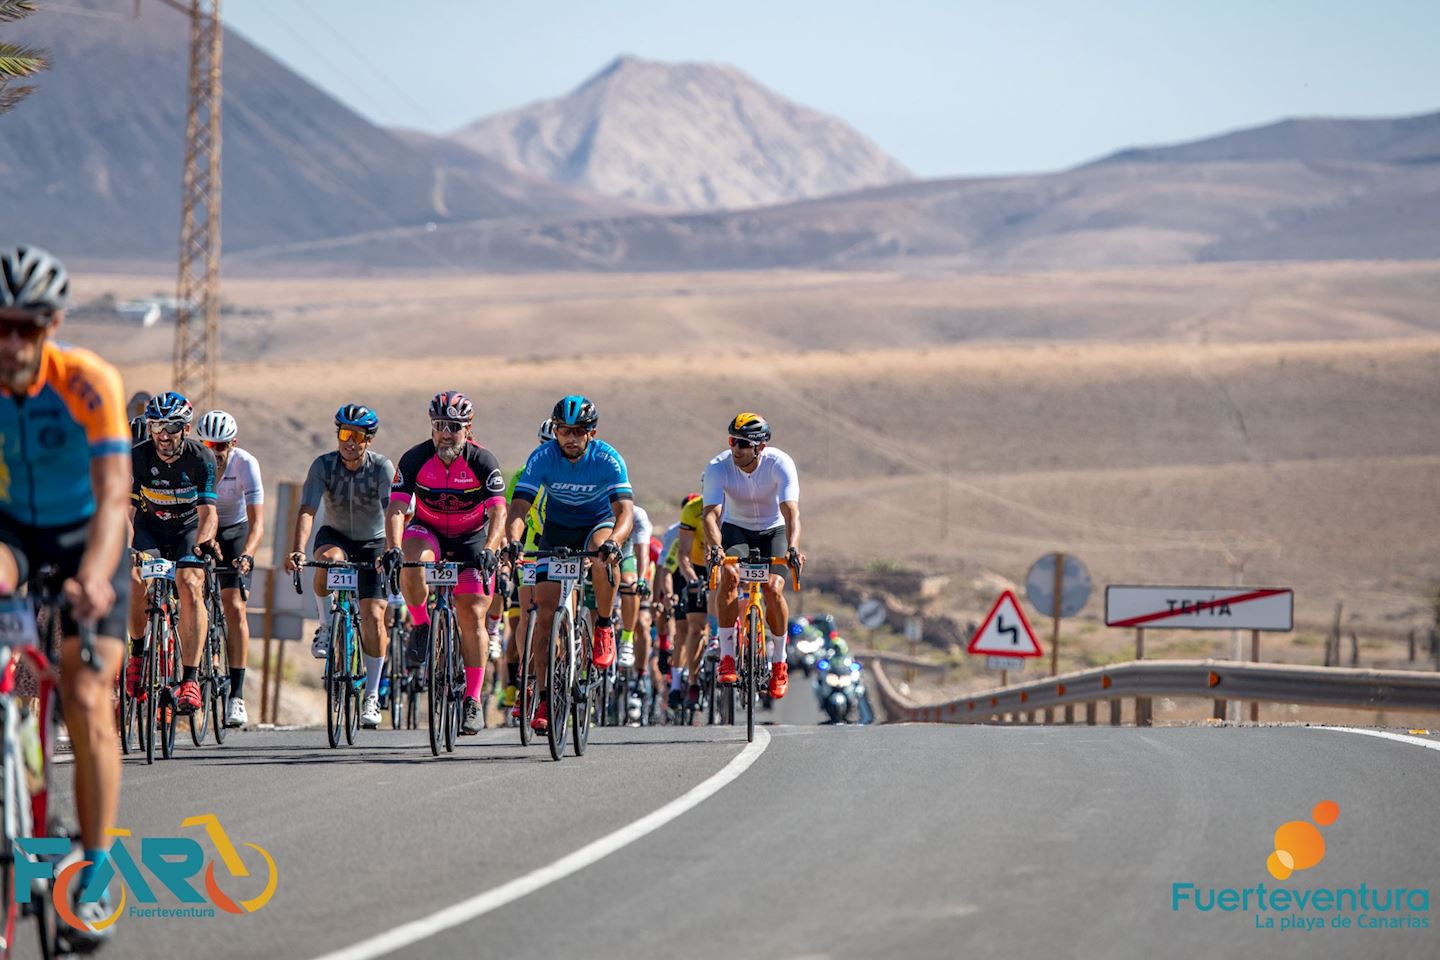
point(554, 536)
point(62, 547)
point(171, 543)
point(232, 545)
point(689, 603)
point(738, 542)
point(364, 552)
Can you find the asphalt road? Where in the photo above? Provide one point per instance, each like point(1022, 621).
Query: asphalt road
point(911, 841)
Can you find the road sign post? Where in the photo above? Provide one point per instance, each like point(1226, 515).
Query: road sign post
point(1058, 586)
point(1005, 635)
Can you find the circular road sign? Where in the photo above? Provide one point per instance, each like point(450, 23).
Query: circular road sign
point(872, 614)
point(1074, 585)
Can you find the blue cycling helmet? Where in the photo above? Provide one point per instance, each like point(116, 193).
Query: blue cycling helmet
point(169, 407)
point(357, 415)
point(575, 411)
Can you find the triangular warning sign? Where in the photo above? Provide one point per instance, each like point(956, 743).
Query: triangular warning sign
point(1005, 631)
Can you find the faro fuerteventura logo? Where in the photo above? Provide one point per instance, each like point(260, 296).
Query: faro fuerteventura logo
point(173, 861)
point(1300, 845)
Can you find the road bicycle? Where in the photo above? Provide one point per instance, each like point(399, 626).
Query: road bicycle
point(213, 675)
point(344, 667)
point(29, 717)
point(444, 666)
point(573, 686)
point(753, 661)
point(404, 693)
point(525, 695)
point(151, 713)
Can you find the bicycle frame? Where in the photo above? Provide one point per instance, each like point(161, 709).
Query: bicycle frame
point(753, 659)
point(568, 694)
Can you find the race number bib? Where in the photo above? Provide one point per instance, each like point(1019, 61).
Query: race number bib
point(443, 575)
point(342, 579)
point(565, 569)
point(754, 573)
point(157, 569)
point(527, 575)
point(17, 624)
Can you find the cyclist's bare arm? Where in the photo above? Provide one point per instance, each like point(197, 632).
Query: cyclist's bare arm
point(396, 512)
point(624, 511)
point(208, 522)
point(495, 532)
point(304, 518)
point(712, 525)
point(515, 520)
point(255, 516)
point(790, 513)
point(92, 594)
point(683, 547)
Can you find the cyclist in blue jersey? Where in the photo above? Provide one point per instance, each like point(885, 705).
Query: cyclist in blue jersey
point(64, 480)
point(589, 506)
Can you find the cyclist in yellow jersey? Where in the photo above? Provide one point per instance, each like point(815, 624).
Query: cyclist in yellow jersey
point(534, 523)
point(692, 600)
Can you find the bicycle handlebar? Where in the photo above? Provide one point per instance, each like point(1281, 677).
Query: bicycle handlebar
point(566, 553)
point(484, 577)
point(714, 578)
point(325, 565)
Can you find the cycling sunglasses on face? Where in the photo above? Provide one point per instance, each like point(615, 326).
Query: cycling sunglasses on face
point(739, 444)
point(169, 428)
point(218, 445)
point(25, 329)
point(353, 436)
point(447, 426)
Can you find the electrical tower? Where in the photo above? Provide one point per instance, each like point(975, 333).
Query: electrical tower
point(197, 315)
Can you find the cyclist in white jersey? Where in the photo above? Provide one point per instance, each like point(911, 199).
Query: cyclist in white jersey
point(634, 570)
point(239, 508)
point(752, 499)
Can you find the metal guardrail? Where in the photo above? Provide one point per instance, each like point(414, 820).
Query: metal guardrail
point(900, 659)
point(1218, 680)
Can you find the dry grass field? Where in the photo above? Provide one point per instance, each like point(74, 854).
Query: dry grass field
point(1165, 424)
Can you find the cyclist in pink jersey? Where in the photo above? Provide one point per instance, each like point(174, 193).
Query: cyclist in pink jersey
point(458, 493)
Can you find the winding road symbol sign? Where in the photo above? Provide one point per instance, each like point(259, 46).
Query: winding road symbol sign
point(1005, 631)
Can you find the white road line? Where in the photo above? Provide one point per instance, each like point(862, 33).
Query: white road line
point(482, 903)
point(1386, 735)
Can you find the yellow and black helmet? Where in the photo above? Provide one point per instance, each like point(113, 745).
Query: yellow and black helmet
point(750, 426)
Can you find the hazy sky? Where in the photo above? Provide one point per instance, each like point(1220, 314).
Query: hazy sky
point(944, 87)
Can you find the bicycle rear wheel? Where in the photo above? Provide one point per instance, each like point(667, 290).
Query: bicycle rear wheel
point(562, 674)
point(710, 690)
point(527, 690)
point(335, 681)
point(205, 677)
point(590, 683)
point(123, 709)
point(396, 668)
point(150, 684)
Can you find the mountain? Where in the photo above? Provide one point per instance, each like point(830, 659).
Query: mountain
point(684, 136)
point(90, 164)
point(1307, 140)
point(1105, 215)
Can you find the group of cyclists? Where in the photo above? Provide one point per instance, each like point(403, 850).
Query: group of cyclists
point(196, 498)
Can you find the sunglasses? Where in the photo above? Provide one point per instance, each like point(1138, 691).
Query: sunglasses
point(169, 429)
point(218, 445)
point(563, 430)
point(352, 436)
point(448, 426)
point(25, 329)
point(739, 444)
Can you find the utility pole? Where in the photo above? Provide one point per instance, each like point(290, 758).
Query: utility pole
point(197, 315)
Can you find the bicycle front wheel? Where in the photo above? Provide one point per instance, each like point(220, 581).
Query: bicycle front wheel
point(436, 685)
point(220, 703)
point(205, 677)
point(354, 677)
point(335, 681)
point(527, 690)
point(454, 673)
point(170, 720)
point(754, 639)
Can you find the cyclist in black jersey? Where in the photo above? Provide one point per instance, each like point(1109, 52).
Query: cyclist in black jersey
point(172, 508)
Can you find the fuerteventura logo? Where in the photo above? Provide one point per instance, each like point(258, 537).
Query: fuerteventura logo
point(1300, 845)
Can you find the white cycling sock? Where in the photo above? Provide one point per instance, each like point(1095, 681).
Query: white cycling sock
point(322, 604)
point(777, 647)
point(374, 671)
point(492, 626)
point(727, 641)
point(677, 678)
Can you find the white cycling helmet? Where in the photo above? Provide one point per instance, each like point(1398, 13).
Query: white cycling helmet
point(546, 433)
point(217, 426)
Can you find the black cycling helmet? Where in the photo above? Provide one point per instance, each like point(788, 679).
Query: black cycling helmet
point(575, 411)
point(451, 405)
point(750, 426)
point(169, 407)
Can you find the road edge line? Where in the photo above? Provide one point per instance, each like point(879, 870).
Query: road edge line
point(482, 903)
point(1386, 735)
